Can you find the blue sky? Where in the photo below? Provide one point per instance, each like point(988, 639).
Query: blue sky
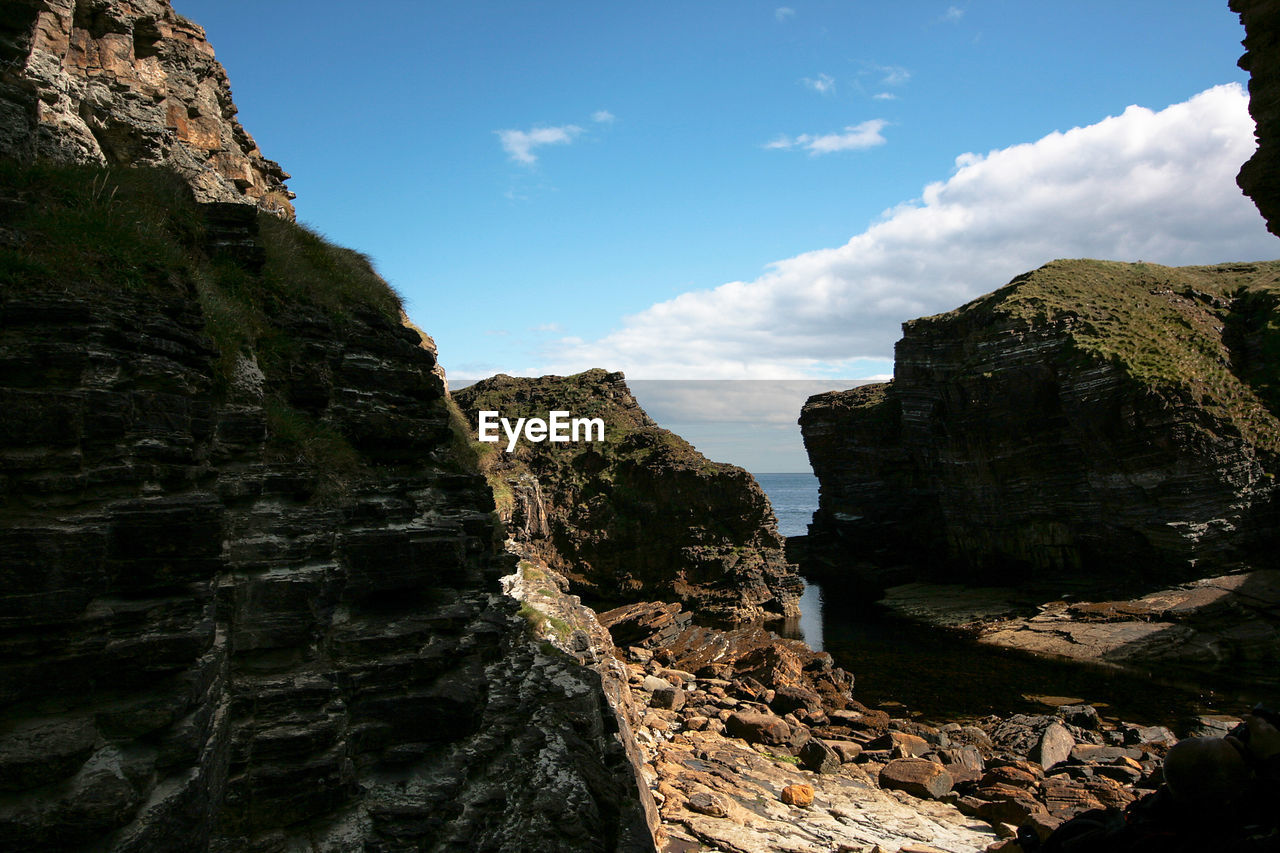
point(738, 189)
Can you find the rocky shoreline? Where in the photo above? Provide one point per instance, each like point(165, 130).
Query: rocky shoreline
point(746, 741)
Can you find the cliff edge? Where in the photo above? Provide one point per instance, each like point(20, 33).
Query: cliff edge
point(639, 515)
point(1091, 423)
point(127, 84)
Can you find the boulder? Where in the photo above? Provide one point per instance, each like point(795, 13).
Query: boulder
point(917, 777)
point(798, 795)
point(755, 727)
point(817, 756)
point(668, 698)
point(1055, 745)
point(901, 744)
point(787, 699)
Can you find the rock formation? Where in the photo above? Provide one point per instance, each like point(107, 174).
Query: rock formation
point(1089, 423)
point(1260, 176)
point(127, 82)
point(639, 515)
point(248, 565)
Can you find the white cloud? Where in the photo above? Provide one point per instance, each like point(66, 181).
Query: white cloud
point(854, 138)
point(952, 15)
point(784, 12)
point(519, 144)
point(1144, 185)
point(893, 75)
point(824, 83)
point(602, 117)
point(884, 96)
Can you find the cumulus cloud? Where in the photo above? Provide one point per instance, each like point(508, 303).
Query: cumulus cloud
point(1143, 185)
point(885, 96)
point(782, 13)
point(824, 84)
point(519, 144)
point(602, 117)
point(854, 138)
point(952, 15)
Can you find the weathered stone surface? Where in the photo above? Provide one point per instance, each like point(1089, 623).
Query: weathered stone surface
point(640, 514)
point(1055, 745)
point(261, 612)
point(817, 756)
point(1260, 176)
point(798, 795)
point(758, 728)
point(901, 744)
point(917, 777)
point(668, 698)
point(1026, 438)
point(126, 84)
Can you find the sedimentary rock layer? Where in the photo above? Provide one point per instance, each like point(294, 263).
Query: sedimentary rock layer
point(1091, 422)
point(248, 568)
point(127, 82)
point(639, 515)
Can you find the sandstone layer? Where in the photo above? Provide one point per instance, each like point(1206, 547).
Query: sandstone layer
point(248, 566)
point(1091, 424)
point(125, 83)
point(638, 515)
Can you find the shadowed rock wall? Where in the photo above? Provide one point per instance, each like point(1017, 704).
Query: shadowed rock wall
point(1089, 423)
point(248, 573)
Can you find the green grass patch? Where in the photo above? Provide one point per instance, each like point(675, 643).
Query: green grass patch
point(1169, 328)
point(87, 229)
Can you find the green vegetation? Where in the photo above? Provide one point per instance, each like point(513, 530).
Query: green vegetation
point(129, 233)
point(1207, 335)
point(82, 229)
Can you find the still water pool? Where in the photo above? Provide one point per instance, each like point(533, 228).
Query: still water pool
point(947, 675)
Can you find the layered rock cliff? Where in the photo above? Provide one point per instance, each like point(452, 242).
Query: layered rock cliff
point(127, 82)
point(1260, 176)
point(248, 566)
point(639, 515)
point(1090, 422)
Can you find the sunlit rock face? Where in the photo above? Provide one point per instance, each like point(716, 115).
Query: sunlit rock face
point(127, 83)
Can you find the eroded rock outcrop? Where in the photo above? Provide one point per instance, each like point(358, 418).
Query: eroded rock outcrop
point(127, 83)
point(1091, 423)
point(640, 514)
point(1260, 176)
point(248, 566)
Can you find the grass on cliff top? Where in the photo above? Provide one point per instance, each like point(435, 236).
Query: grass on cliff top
point(630, 434)
point(89, 229)
point(95, 232)
point(1181, 331)
point(84, 229)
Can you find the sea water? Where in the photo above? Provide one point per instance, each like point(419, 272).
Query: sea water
point(947, 675)
point(795, 498)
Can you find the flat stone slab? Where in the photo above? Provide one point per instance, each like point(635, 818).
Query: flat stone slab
point(1195, 627)
point(848, 807)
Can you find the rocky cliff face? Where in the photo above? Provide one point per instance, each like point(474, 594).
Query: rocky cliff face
point(639, 515)
point(1089, 422)
point(127, 82)
point(248, 568)
point(1260, 176)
